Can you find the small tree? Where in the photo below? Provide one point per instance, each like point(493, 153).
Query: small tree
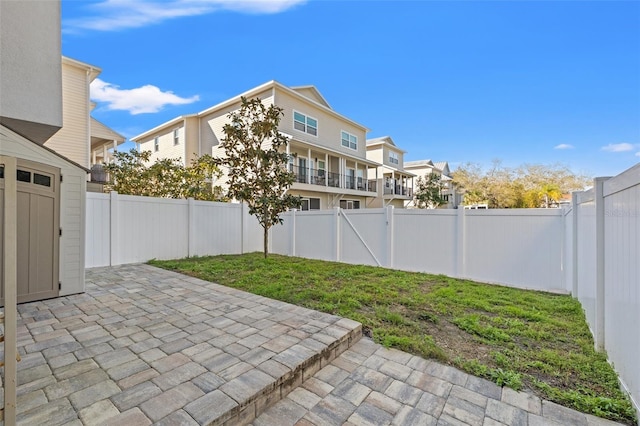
point(428, 192)
point(256, 163)
point(166, 178)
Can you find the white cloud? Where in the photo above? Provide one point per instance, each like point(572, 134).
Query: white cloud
point(618, 147)
point(114, 15)
point(140, 100)
point(638, 154)
point(563, 146)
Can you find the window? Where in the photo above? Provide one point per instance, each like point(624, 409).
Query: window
point(176, 136)
point(43, 180)
point(393, 157)
point(321, 168)
point(310, 204)
point(349, 204)
point(23, 176)
point(156, 145)
point(305, 123)
point(349, 140)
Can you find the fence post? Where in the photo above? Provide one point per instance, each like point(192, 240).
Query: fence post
point(460, 243)
point(600, 290)
point(191, 225)
point(292, 235)
point(389, 222)
point(337, 234)
point(113, 228)
point(574, 242)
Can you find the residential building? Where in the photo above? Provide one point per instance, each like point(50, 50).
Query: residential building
point(393, 181)
point(82, 139)
point(421, 168)
point(42, 193)
point(328, 150)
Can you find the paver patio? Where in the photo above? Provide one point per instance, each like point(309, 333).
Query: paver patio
point(149, 346)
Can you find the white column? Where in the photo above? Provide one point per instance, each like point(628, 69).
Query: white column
point(460, 243)
point(389, 223)
point(113, 240)
point(326, 169)
point(292, 233)
point(336, 234)
point(104, 153)
point(309, 165)
point(574, 242)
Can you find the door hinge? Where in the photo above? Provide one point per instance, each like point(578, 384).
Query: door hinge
point(60, 232)
point(59, 285)
point(60, 178)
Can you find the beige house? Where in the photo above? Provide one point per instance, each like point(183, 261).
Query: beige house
point(82, 138)
point(328, 150)
point(393, 181)
point(424, 167)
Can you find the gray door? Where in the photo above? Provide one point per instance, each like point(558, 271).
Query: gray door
point(38, 227)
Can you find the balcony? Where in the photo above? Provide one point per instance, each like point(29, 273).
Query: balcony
point(394, 188)
point(330, 179)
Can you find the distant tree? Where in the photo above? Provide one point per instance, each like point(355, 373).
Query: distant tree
point(527, 186)
point(428, 191)
point(166, 178)
point(256, 163)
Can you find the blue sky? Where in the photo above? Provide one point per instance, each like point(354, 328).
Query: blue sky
point(525, 82)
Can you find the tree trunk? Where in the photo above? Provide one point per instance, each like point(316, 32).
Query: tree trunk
point(266, 242)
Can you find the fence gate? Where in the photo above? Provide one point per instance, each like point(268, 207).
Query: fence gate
point(38, 230)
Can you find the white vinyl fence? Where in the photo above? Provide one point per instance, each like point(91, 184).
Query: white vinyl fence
point(591, 249)
point(128, 229)
point(520, 248)
point(606, 268)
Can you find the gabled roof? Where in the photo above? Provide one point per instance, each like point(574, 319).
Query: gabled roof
point(312, 93)
point(443, 166)
point(101, 131)
point(384, 140)
point(418, 163)
point(273, 84)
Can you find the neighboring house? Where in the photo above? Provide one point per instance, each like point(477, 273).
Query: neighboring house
point(328, 150)
point(394, 182)
point(423, 167)
point(82, 139)
point(42, 193)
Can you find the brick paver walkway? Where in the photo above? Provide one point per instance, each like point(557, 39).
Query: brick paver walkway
point(371, 385)
point(148, 346)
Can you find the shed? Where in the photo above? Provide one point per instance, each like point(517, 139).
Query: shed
point(50, 199)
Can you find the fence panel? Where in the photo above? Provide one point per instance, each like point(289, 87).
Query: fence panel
point(426, 241)
point(363, 237)
point(150, 228)
point(586, 256)
point(521, 248)
point(98, 228)
point(622, 277)
point(315, 235)
point(215, 229)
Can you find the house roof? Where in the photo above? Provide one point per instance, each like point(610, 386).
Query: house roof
point(94, 71)
point(418, 163)
point(5, 131)
point(101, 131)
point(313, 91)
point(441, 165)
point(273, 84)
point(164, 125)
point(384, 140)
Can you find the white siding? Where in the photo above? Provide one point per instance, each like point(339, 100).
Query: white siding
point(329, 125)
point(72, 140)
point(166, 147)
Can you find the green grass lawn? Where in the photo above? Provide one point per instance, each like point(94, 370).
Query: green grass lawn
point(526, 340)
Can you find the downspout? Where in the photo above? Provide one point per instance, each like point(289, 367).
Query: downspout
point(88, 106)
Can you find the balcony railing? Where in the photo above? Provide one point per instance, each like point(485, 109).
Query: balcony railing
point(396, 189)
point(324, 178)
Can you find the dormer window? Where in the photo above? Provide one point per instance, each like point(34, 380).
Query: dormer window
point(304, 123)
point(393, 158)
